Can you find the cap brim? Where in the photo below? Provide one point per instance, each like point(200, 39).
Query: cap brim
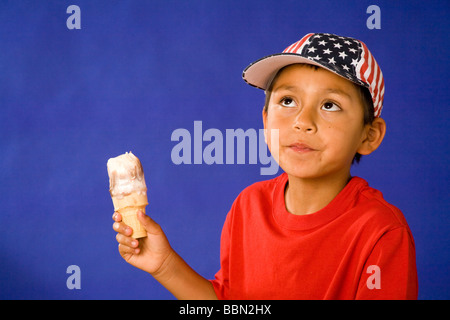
point(261, 72)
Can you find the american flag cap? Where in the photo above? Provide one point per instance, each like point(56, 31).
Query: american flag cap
point(347, 57)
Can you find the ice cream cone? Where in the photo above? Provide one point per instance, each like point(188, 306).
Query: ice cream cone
point(128, 190)
point(128, 207)
point(129, 217)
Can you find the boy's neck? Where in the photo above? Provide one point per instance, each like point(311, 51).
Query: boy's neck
point(306, 196)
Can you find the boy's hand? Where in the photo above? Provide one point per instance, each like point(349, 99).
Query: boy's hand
point(149, 253)
point(155, 255)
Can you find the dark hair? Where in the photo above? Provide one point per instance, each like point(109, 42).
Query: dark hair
point(364, 93)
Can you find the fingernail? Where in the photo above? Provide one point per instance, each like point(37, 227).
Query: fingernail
point(116, 225)
point(134, 243)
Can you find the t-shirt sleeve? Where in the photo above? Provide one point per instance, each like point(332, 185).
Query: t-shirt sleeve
point(220, 282)
point(390, 270)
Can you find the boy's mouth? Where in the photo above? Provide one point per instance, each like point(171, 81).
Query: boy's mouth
point(301, 147)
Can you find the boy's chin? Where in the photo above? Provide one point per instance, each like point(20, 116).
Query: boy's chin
point(311, 172)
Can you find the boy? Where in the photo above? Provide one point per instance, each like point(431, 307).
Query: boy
point(314, 232)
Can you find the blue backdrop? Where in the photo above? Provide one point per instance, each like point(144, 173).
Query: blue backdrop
point(138, 70)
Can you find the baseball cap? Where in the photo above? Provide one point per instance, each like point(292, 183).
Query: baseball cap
point(347, 57)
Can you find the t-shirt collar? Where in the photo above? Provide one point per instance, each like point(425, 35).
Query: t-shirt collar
point(341, 203)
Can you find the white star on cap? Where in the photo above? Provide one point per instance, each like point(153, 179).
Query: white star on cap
point(312, 49)
point(331, 60)
point(345, 67)
point(353, 50)
point(337, 45)
point(354, 62)
point(322, 42)
point(327, 51)
point(342, 54)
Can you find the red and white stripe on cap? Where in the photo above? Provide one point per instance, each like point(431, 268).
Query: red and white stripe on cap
point(370, 73)
point(297, 47)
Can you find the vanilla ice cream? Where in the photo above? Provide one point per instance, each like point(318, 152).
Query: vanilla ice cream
point(126, 176)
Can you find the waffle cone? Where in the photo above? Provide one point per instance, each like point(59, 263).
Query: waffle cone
point(128, 207)
point(129, 217)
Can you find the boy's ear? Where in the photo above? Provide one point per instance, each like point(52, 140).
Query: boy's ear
point(374, 134)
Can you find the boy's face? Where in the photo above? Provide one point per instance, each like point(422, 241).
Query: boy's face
point(319, 116)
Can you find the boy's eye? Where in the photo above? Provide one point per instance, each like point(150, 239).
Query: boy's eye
point(330, 106)
point(288, 102)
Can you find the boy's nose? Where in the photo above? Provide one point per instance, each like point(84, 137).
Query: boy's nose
point(304, 120)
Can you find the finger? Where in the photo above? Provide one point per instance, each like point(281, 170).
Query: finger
point(122, 228)
point(117, 216)
point(127, 241)
point(149, 224)
point(123, 249)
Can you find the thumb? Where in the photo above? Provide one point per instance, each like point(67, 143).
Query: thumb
point(149, 224)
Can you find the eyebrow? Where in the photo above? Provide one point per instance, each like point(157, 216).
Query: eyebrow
point(339, 92)
point(327, 90)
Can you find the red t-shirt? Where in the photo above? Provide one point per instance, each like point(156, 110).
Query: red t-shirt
point(357, 247)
